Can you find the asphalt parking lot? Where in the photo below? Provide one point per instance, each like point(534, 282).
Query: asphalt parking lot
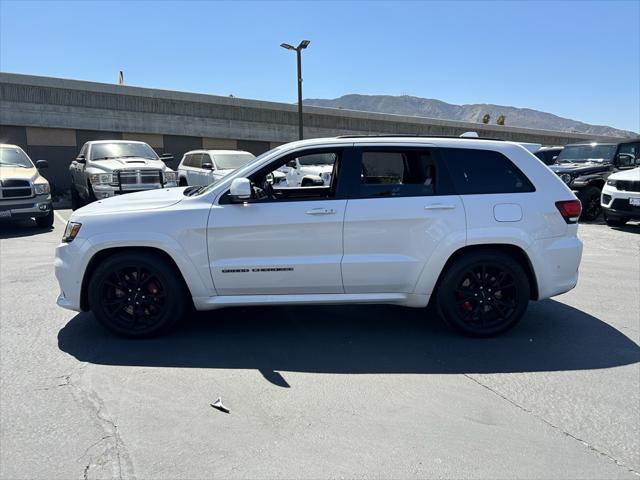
point(356, 391)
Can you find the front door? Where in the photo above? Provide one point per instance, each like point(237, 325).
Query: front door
point(284, 241)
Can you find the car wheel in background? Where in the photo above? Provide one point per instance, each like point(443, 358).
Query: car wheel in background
point(137, 294)
point(45, 221)
point(590, 199)
point(183, 182)
point(614, 221)
point(483, 294)
point(76, 201)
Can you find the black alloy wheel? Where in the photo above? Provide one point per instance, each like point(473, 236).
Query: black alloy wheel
point(590, 199)
point(136, 295)
point(483, 294)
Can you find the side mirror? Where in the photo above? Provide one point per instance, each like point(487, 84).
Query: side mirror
point(240, 190)
point(292, 164)
point(40, 164)
point(81, 159)
point(625, 160)
point(166, 157)
point(207, 166)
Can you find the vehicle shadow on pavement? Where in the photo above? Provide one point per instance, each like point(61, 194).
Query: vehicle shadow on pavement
point(25, 228)
point(358, 339)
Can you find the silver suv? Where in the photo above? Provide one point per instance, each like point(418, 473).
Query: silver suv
point(106, 168)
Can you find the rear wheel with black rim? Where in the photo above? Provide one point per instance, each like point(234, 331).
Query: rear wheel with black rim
point(137, 295)
point(483, 293)
point(590, 199)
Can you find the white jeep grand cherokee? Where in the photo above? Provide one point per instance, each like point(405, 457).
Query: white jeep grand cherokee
point(479, 227)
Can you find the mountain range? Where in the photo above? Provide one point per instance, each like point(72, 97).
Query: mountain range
point(431, 108)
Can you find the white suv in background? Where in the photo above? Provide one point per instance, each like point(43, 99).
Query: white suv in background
point(621, 197)
point(202, 167)
point(478, 227)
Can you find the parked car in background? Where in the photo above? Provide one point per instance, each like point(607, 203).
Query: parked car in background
point(475, 226)
point(24, 193)
point(105, 168)
point(202, 167)
point(548, 155)
point(309, 170)
point(621, 197)
point(585, 167)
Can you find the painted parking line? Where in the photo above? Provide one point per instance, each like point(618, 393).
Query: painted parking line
point(59, 216)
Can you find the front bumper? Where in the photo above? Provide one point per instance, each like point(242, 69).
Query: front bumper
point(617, 202)
point(106, 191)
point(69, 267)
point(38, 206)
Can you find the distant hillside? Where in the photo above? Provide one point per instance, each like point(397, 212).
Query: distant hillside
point(430, 108)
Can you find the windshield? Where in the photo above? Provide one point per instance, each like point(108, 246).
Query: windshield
point(584, 153)
point(318, 159)
point(232, 161)
point(105, 151)
point(14, 157)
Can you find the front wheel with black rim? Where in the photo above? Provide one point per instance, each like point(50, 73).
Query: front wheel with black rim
point(590, 200)
point(483, 293)
point(614, 221)
point(136, 295)
point(45, 221)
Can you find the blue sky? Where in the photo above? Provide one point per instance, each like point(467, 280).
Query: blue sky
point(576, 59)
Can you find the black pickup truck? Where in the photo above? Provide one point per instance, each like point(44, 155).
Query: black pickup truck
point(584, 167)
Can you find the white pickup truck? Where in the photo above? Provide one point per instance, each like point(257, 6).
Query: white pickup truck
point(106, 168)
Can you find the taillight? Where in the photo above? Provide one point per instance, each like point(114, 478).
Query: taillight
point(570, 210)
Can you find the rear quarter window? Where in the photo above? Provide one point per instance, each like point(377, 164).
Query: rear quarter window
point(484, 171)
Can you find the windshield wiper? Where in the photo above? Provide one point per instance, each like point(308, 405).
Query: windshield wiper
point(105, 158)
point(191, 191)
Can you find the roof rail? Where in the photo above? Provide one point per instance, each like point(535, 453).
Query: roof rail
point(411, 135)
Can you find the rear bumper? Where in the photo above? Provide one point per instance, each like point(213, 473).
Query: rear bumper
point(556, 265)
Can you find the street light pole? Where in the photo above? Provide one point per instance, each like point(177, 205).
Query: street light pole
point(303, 44)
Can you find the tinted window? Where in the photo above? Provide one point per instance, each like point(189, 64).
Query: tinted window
point(484, 171)
point(14, 157)
point(396, 173)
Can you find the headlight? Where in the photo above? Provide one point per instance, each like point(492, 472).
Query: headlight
point(170, 177)
point(41, 188)
point(101, 178)
point(566, 178)
point(611, 182)
point(71, 231)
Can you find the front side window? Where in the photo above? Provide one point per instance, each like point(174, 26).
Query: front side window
point(14, 157)
point(391, 173)
point(484, 172)
point(106, 151)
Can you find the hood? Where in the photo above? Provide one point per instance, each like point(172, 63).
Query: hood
point(629, 175)
point(580, 167)
point(133, 163)
point(18, 173)
point(131, 202)
point(317, 169)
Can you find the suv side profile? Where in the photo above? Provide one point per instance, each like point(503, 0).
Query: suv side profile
point(105, 168)
point(476, 227)
point(202, 167)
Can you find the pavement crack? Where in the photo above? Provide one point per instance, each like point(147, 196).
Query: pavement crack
point(556, 427)
point(112, 453)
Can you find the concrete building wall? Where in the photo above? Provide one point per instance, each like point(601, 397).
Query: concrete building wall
point(52, 118)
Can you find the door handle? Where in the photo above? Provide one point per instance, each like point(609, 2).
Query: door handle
point(320, 211)
point(440, 206)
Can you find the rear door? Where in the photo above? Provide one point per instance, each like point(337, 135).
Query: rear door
point(401, 207)
point(283, 241)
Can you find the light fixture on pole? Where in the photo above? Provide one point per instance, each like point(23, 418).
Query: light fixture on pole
point(303, 44)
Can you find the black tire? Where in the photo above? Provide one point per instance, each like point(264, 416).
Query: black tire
point(590, 199)
point(92, 196)
point(137, 295)
point(483, 294)
point(183, 182)
point(45, 221)
point(76, 201)
point(613, 221)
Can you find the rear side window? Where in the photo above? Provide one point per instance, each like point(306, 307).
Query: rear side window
point(484, 171)
point(399, 173)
